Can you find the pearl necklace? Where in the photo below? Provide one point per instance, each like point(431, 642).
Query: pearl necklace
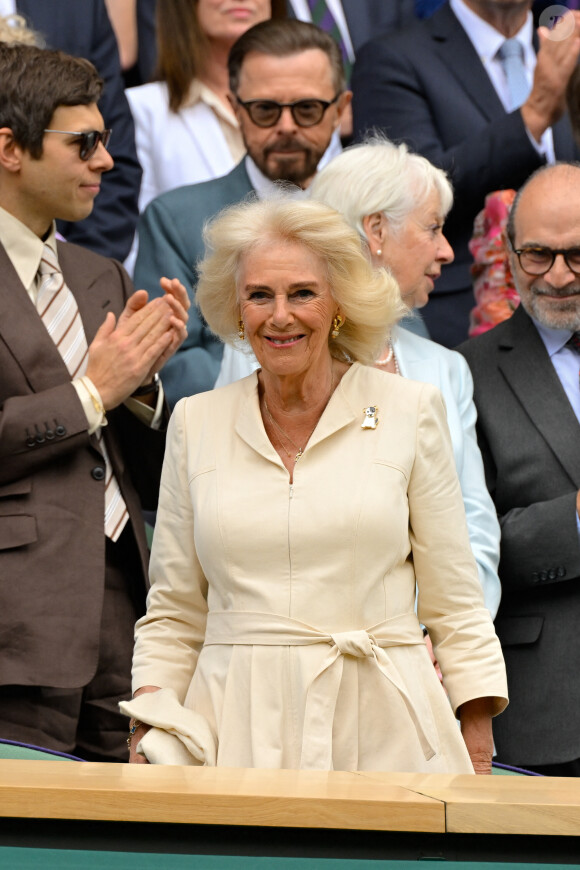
point(390, 356)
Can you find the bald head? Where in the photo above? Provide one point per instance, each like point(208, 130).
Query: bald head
point(546, 214)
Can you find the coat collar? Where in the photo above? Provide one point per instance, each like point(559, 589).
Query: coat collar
point(341, 410)
point(451, 41)
point(526, 366)
point(23, 331)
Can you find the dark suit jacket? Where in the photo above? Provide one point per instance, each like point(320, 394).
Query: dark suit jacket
point(82, 28)
point(530, 443)
point(52, 542)
point(171, 243)
point(427, 87)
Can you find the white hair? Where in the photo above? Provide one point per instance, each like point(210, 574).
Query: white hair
point(379, 176)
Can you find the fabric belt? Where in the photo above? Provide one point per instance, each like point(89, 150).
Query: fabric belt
point(270, 629)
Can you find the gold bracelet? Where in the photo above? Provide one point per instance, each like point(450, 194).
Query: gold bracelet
point(133, 725)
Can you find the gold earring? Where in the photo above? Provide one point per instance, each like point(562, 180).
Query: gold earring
point(336, 324)
point(241, 329)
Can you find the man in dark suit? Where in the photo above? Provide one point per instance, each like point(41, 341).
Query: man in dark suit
point(81, 420)
point(442, 87)
point(526, 377)
point(82, 28)
point(273, 65)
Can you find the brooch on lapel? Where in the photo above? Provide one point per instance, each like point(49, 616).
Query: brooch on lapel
point(371, 420)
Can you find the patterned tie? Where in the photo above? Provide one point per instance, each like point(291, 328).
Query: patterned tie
point(323, 18)
point(60, 314)
point(511, 55)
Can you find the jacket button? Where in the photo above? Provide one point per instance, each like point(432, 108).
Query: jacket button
point(543, 576)
point(31, 442)
point(535, 577)
point(98, 472)
point(561, 571)
point(59, 431)
point(552, 574)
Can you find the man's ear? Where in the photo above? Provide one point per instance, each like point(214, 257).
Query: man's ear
point(343, 101)
point(10, 151)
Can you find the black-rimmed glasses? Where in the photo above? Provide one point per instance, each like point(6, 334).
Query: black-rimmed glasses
point(267, 113)
point(537, 260)
point(89, 141)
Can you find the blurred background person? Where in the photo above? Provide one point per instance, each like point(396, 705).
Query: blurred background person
point(397, 202)
point(83, 29)
point(301, 507)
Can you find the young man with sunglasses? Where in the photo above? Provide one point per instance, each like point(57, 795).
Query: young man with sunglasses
point(527, 393)
point(81, 419)
point(288, 94)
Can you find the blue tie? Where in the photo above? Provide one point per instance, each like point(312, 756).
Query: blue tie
point(511, 55)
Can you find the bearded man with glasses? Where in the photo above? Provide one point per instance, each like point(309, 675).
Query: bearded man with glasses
point(288, 93)
point(527, 393)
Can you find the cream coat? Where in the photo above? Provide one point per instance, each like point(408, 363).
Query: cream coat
point(283, 615)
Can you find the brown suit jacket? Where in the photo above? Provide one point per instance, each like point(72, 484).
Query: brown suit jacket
point(52, 543)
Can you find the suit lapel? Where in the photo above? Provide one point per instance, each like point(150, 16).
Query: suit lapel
point(89, 286)
point(459, 57)
point(24, 333)
point(526, 367)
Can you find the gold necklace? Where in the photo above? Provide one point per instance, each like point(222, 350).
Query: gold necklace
point(285, 434)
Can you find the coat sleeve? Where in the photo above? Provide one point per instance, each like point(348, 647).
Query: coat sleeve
point(482, 522)
point(539, 542)
point(170, 636)
point(449, 597)
point(168, 247)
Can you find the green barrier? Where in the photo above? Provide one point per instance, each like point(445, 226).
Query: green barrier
point(59, 859)
point(23, 753)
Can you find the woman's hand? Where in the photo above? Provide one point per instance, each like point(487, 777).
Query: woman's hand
point(475, 717)
point(137, 730)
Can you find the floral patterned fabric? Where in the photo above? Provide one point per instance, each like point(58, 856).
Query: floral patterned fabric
point(493, 284)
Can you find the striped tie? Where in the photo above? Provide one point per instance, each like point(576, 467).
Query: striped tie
point(60, 314)
point(323, 18)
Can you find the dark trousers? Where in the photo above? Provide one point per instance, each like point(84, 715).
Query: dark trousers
point(86, 721)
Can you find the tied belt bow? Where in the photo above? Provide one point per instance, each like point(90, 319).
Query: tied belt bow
point(254, 628)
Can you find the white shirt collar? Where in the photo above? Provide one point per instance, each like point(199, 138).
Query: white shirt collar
point(486, 39)
point(23, 247)
point(267, 189)
point(554, 339)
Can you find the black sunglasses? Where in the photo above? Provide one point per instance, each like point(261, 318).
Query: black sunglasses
point(89, 142)
point(538, 261)
point(267, 113)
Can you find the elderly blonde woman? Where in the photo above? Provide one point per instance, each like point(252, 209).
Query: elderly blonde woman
point(300, 507)
point(397, 202)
